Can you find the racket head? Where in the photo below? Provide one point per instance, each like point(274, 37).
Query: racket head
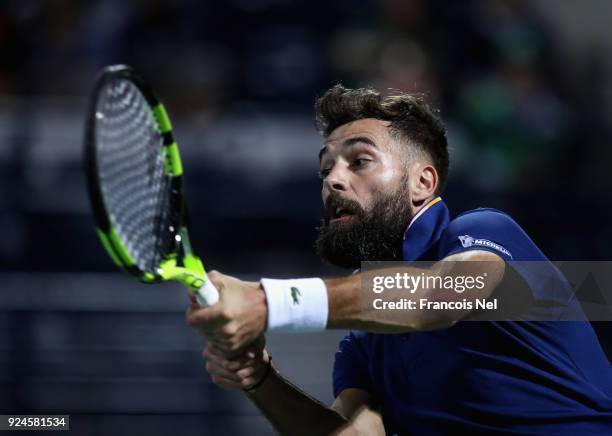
point(134, 174)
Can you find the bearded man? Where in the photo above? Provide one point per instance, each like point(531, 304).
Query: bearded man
point(384, 164)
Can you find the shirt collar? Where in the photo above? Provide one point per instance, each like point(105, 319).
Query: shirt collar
point(425, 229)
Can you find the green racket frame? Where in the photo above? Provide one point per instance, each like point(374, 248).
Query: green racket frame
point(182, 264)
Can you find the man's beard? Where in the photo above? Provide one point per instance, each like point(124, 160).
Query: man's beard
point(373, 235)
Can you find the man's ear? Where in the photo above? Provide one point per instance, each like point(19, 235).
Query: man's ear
point(423, 182)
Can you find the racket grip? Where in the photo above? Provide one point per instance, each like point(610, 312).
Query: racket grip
point(207, 295)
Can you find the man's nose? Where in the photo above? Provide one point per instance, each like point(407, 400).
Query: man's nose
point(336, 180)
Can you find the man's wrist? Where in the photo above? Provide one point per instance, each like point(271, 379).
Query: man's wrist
point(261, 306)
point(296, 305)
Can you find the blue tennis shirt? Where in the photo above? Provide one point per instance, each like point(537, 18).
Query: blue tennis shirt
point(481, 377)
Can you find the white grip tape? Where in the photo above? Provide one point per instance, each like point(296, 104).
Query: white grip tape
point(296, 305)
point(207, 295)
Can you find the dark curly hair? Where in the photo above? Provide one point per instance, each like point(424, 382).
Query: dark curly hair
point(410, 117)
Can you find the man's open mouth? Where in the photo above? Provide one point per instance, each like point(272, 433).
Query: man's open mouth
point(341, 214)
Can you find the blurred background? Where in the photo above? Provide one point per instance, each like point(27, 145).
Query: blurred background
point(525, 89)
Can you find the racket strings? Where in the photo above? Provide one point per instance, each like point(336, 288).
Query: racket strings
point(135, 188)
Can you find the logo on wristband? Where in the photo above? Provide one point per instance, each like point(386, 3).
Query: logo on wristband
point(295, 292)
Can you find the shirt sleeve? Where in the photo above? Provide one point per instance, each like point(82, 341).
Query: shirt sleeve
point(495, 231)
point(351, 364)
point(484, 229)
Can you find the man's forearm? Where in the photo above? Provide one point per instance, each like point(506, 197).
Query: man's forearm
point(349, 309)
point(351, 300)
point(292, 411)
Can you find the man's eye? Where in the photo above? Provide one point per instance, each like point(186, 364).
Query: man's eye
point(359, 163)
point(324, 173)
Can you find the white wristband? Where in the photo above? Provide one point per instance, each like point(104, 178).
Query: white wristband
point(296, 305)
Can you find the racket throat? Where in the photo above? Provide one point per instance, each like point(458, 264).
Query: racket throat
point(191, 274)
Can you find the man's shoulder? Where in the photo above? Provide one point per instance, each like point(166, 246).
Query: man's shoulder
point(483, 214)
point(484, 220)
point(491, 229)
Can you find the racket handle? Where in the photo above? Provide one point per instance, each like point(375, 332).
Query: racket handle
point(207, 295)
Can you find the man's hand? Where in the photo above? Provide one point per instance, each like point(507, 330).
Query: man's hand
point(241, 372)
point(236, 320)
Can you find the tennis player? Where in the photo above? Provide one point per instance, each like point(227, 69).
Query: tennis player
point(384, 164)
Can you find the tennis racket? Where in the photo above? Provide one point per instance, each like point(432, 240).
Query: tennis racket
point(135, 180)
